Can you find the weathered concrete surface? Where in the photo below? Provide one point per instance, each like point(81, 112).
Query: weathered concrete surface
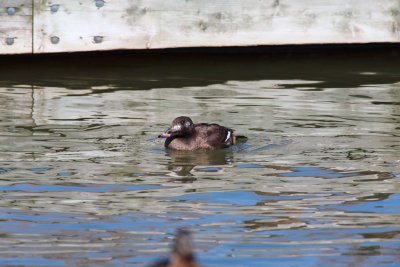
point(15, 26)
point(85, 25)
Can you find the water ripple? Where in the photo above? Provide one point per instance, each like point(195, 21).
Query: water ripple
point(85, 182)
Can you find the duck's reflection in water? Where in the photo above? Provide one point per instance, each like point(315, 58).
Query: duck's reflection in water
point(183, 162)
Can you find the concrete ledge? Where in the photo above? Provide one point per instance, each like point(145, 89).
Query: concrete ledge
point(41, 26)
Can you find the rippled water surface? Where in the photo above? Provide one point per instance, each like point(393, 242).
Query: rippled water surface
point(84, 180)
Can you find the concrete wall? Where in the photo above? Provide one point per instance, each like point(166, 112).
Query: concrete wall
point(86, 25)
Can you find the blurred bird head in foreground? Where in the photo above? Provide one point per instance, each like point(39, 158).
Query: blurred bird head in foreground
point(182, 254)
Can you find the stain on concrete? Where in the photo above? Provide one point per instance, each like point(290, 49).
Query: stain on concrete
point(135, 12)
point(308, 18)
point(218, 22)
point(278, 8)
point(345, 23)
point(203, 26)
point(394, 13)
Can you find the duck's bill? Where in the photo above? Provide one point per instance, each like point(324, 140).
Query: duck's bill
point(164, 135)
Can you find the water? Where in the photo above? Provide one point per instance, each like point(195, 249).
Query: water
point(85, 182)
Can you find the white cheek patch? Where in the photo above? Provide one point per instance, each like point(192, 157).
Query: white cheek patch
point(176, 128)
point(228, 136)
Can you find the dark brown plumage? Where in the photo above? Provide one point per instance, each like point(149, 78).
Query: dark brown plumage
point(182, 252)
point(185, 135)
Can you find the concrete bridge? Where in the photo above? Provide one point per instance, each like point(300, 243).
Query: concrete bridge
point(48, 26)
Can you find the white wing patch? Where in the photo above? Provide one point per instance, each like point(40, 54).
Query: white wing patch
point(228, 136)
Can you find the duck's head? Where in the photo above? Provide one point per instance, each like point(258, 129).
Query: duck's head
point(181, 126)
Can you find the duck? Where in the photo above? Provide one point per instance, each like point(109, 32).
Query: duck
point(182, 254)
point(186, 135)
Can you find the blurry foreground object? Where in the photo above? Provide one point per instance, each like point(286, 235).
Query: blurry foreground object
point(182, 254)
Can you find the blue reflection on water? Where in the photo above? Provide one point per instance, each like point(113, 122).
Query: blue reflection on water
point(316, 172)
point(249, 166)
point(240, 198)
point(31, 262)
point(268, 245)
point(208, 169)
point(385, 206)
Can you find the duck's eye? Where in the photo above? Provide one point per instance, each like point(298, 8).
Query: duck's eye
point(187, 124)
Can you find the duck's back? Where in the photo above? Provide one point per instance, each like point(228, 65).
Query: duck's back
point(213, 135)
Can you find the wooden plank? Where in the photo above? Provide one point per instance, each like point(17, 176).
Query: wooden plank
point(15, 26)
point(85, 25)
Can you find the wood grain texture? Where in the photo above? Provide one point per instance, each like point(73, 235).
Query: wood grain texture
point(15, 26)
point(85, 25)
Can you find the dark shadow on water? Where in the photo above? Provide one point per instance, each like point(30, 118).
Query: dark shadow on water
point(335, 66)
point(183, 162)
